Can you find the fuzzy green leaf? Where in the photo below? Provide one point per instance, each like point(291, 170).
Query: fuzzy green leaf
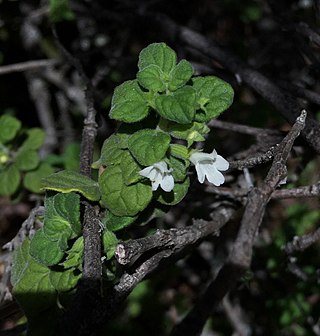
point(62, 218)
point(213, 96)
point(179, 106)
point(74, 255)
point(190, 132)
point(66, 181)
point(114, 223)
point(9, 127)
point(129, 103)
point(158, 54)
point(180, 151)
point(130, 168)
point(9, 180)
point(34, 140)
point(64, 281)
point(176, 195)
point(27, 159)
point(31, 280)
point(32, 180)
point(45, 251)
point(111, 150)
point(68, 206)
point(151, 78)
point(180, 75)
point(179, 169)
point(55, 226)
point(149, 146)
point(119, 198)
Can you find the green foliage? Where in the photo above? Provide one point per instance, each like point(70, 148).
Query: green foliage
point(9, 180)
point(18, 154)
point(67, 180)
point(119, 198)
point(176, 195)
point(161, 104)
point(33, 179)
point(59, 10)
point(45, 251)
point(9, 127)
point(109, 242)
point(213, 96)
point(149, 146)
point(129, 103)
point(179, 106)
point(114, 223)
point(190, 132)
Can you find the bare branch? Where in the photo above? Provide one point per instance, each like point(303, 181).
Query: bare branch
point(173, 239)
point(255, 160)
point(299, 244)
point(27, 66)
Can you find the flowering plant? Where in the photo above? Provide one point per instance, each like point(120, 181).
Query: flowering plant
point(145, 163)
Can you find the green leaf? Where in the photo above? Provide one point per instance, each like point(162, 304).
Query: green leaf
point(180, 75)
point(27, 159)
point(149, 146)
point(55, 226)
point(213, 96)
point(130, 168)
point(109, 241)
point(119, 198)
point(111, 150)
point(9, 180)
point(114, 223)
point(151, 78)
point(158, 70)
point(179, 169)
point(68, 206)
point(158, 54)
point(32, 180)
point(64, 281)
point(180, 151)
point(9, 127)
point(34, 140)
point(129, 103)
point(190, 132)
point(176, 195)
point(62, 218)
point(59, 10)
point(71, 157)
point(45, 251)
point(66, 181)
point(31, 282)
point(179, 106)
point(74, 255)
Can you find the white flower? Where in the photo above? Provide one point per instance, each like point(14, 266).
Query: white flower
point(159, 174)
point(208, 166)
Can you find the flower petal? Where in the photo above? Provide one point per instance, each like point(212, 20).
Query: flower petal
point(200, 172)
point(146, 171)
point(167, 183)
point(156, 182)
point(221, 163)
point(215, 177)
point(200, 156)
point(161, 166)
